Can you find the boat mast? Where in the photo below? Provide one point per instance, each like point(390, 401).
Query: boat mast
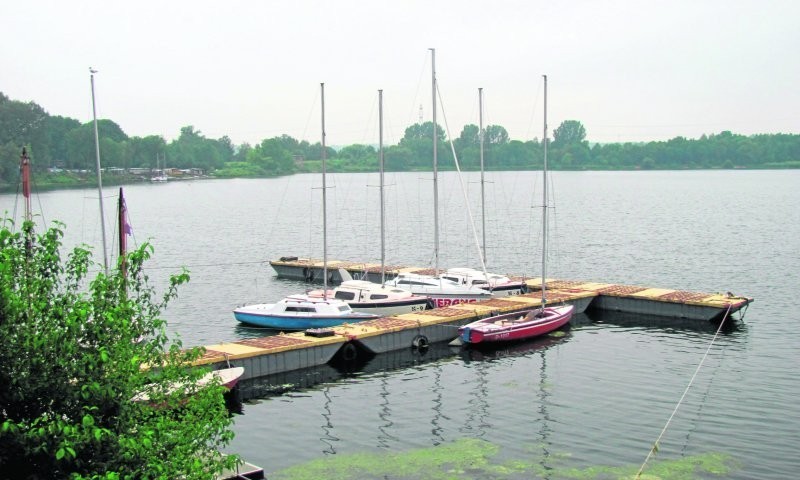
point(483, 183)
point(25, 169)
point(544, 200)
point(99, 174)
point(383, 206)
point(122, 212)
point(324, 205)
point(435, 170)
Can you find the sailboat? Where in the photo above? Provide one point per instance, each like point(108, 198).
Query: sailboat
point(305, 311)
point(160, 176)
point(442, 291)
point(377, 298)
point(527, 323)
point(499, 285)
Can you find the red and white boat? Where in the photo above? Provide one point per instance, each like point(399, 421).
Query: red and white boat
point(517, 325)
point(227, 377)
point(498, 285)
point(530, 323)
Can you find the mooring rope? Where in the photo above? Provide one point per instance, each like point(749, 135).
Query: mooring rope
point(654, 448)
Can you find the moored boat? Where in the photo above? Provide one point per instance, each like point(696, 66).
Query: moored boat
point(226, 377)
point(383, 300)
point(442, 291)
point(300, 312)
point(530, 323)
point(499, 285)
point(517, 325)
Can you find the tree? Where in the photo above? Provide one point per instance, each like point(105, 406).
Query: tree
point(193, 149)
point(470, 137)
point(496, 135)
point(81, 147)
point(57, 129)
point(143, 152)
point(568, 133)
point(271, 157)
point(72, 359)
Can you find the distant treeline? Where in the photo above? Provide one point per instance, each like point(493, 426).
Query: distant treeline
point(64, 144)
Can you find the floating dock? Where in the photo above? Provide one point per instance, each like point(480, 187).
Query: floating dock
point(282, 353)
point(612, 297)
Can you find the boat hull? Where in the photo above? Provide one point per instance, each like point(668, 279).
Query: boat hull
point(514, 326)
point(395, 307)
point(445, 300)
point(251, 316)
point(508, 290)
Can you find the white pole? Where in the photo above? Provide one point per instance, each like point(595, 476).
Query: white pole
point(483, 183)
point(99, 174)
point(435, 170)
point(544, 201)
point(383, 206)
point(324, 204)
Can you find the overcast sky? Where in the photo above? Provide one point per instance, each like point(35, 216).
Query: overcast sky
point(629, 70)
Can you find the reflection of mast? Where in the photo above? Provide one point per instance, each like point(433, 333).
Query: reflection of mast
point(385, 415)
point(438, 439)
point(544, 395)
point(479, 406)
point(327, 437)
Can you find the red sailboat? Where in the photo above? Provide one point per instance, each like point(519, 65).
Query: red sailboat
point(528, 323)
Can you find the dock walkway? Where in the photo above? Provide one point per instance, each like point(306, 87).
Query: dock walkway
point(281, 353)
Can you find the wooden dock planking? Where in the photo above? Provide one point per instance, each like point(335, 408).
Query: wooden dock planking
point(285, 352)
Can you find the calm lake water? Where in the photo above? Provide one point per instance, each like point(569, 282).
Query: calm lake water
point(589, 404)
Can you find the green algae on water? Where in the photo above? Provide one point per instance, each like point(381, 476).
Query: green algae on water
point(472, 458)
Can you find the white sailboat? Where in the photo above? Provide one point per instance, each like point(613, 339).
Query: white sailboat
point(499, 285)
point(305, 311)
point(377, 298)
point(442, 291)
point(528, 323)
point(160, 176)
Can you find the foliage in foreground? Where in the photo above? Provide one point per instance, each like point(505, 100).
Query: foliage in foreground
point(72, 356)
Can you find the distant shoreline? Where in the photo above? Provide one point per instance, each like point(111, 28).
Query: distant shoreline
point(110, 180)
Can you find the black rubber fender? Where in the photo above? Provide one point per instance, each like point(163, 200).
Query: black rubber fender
point(420, 342)
point(349, 352)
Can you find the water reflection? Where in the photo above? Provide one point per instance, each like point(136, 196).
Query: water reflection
point(339, 369)
point(385, 413)
point(491, 352)
point(478, 404)
point(438, 416)
point(328, 438)
point(544, 414)
point(665, 324)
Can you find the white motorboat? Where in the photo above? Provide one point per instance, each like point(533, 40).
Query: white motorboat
point(300, 312)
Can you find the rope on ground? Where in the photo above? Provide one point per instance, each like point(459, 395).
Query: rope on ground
point(654, 449)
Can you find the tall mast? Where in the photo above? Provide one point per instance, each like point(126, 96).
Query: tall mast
point(383, 206)
point(483, 183)
point(25, 169)
point(99, 174)
point(122, 212)
point(324, 204)
point(544, 200)
point(435, 169)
